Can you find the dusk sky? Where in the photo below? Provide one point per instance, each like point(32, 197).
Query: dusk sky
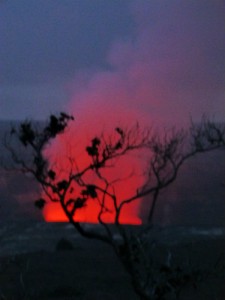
point(156, 60)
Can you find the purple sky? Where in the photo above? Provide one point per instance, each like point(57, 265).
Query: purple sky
point(164, 59)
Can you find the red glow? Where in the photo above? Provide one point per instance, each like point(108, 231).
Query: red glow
point(124, 189)
point(73, 144)
point(54, 213)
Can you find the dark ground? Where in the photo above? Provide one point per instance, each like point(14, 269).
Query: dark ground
point(31, 266)
point(89, 271)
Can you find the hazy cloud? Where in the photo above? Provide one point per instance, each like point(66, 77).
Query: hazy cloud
point(158, 59)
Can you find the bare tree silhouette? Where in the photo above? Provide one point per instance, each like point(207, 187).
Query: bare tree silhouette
point(167, 151)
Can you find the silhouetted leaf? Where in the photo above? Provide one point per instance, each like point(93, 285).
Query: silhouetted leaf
point(91, 189)
point(92, 151)
point(40, 203)
point(26, 134)
point(70, 201)
point(62, 185)
point(96, 142)
point(51, 174)
point(80, 202)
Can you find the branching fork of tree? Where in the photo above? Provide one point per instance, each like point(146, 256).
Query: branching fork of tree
point(167, 151)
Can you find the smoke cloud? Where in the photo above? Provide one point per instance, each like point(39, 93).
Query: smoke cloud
point(172, 68)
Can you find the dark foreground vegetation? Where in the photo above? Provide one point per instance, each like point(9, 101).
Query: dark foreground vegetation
point(82, 269)
point(157, 271)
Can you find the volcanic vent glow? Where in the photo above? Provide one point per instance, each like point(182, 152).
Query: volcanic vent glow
point(68, 153)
